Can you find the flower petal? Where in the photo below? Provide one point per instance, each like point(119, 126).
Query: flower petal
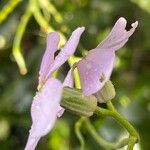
point(118, 36)
point(44, 110)
point(67, 50)
point(69, 80)
point(96, 66)
point(48, 57)
point(60, 111)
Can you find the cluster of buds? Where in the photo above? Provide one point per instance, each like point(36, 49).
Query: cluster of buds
point(76, 102)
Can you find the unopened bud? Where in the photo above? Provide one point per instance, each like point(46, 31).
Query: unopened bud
point(74, 101)
point(106, 93)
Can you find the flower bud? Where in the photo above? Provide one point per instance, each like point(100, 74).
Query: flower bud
point(106, 93)
point(74, 101)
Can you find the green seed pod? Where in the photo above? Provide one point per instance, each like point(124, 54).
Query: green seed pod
point(106, 93)
point(74, 101)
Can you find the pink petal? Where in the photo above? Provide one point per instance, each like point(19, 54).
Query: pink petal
point(69, 80)
point(60, 111)
point(118, 36)
point(67, 50)
point(97, 63)
point(44, 110)
point(31, 143)
point(48, 57)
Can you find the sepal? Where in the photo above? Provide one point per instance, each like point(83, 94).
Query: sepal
point(106, 93)
point(73, 100)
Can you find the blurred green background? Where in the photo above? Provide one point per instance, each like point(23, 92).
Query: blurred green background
point(131, 75)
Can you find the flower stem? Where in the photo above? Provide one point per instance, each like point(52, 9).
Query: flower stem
point(133, 133)
point(78, 132)
point(39, 17)
point(131, 143)
point(102, 142)
point(17, 40)
point(122, 120)
point(110, 106)
point(8, 8)
point(112, 112)
point(84, 121)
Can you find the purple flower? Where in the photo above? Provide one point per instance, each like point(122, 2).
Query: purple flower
point(96, 68)
point(49, 64)
point(44, 110)
point(45, 107)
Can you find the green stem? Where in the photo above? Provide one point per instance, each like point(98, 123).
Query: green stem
point(102, 112)
point(110, 106)
point(39, 17)
point(132, 141)
point(113, 113)
point(43, 22)
point(7, 9)
point(102, 142)
point(133, 133)
point(17, 41)
point(122, 120)
point(78, 132)
point(47, 5)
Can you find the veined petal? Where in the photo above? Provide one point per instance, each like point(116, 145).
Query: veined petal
point(44, 110)
point(48, 57)
point(118, 36)
point(95, 70)
point(67, 50)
